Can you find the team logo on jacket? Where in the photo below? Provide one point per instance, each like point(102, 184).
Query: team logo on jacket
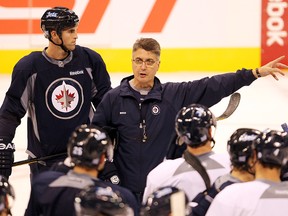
point(155, 110)
point(64, 98)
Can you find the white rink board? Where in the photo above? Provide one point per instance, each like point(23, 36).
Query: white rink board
point(263, 105)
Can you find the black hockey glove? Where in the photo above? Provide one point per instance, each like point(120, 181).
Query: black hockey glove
point(110, 173)
point(6, 157)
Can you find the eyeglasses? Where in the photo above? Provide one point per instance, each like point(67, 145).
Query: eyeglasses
point(147, 62)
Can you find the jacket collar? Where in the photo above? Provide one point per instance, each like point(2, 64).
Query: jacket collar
point(155, 93)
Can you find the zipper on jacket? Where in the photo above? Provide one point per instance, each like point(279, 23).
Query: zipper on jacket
point(143, 124)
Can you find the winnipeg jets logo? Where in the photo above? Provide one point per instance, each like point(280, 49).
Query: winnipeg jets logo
point(155, 110)
point(64, 98)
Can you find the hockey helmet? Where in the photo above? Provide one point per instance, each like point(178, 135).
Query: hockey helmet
point(159, 202)
point(58, 19)
point(87, 144)
point(7, 195)
point(193, 124)
point(272, 147)
point(99, 200)
point(239, 146)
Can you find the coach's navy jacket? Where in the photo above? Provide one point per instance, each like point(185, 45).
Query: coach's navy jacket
point(136, 156)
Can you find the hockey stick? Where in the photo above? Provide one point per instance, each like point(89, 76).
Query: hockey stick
point(36, 160)
point(232, 106)
point(112, 132)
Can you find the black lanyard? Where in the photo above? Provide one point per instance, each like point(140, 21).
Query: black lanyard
point(143, 112)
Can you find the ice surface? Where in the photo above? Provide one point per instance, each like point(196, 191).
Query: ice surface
point(263, 105)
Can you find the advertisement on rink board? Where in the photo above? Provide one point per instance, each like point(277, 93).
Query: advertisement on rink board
point(204, 35)
point(274, 37)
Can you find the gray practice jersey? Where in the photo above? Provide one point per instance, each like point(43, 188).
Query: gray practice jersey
point(257, 198)
point(180, 174)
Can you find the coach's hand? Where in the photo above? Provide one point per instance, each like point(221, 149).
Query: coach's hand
point(6, 157)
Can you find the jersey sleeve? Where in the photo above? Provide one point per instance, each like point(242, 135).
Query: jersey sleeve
point(100, 76)
point(17, 97)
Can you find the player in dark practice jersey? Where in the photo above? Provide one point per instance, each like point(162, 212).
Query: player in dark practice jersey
point(58, 87)
point(53, 192)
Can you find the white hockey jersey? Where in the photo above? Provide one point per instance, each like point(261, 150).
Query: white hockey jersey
point(257, 198)
point(182, 175)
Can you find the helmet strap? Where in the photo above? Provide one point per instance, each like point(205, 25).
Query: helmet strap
point(213, 142)
point(61, 45)
point(251, 166)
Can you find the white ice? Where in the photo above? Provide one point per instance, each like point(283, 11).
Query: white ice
point(263, 105)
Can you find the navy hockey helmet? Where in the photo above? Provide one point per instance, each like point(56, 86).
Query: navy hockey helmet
point(98, 200)
point(239, 146)
point(87, 144)
point(7, 195)
point(58, 19)
point(272, 148)
point(159, 202)
point(193, 124)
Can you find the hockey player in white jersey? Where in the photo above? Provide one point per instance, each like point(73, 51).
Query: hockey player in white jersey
point(266, 195)
point(195, 125)
point(239, 147)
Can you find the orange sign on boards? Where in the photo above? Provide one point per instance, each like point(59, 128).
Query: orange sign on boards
point(90, 19)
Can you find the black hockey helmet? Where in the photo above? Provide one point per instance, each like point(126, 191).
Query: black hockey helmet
point(239, 146)
point(272, 147)
point(159, 202)
point(87, 144)
point(193, 124)
point(98, 200)
point(58, 19)
point(7, 195)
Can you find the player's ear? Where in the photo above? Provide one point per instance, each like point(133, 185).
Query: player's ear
point(102, 158)
point(102, 162)
point(53, 34)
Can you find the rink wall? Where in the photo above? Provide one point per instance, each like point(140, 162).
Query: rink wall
point(204, 35)
point(181, 59)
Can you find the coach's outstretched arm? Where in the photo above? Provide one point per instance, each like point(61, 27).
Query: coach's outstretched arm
point(272, 68)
